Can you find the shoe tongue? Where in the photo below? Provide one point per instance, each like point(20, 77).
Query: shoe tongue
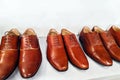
point(65, 32)
point(10, 33)
point(53, 32)
point(29, 32)
point(116, 28)
point(86, 29)
point(97, 29)
point(13, 32)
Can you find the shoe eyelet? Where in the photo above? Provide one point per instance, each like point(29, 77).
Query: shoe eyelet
point(56, 41)
point(72, 40)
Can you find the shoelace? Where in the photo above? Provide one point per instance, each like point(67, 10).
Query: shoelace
point(27, 42)
point(72, 40)
point(95, 39)
point(8, 38)
point(8, 41)
point(56, 41)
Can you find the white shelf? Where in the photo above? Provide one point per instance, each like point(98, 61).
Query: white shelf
point(95, 71)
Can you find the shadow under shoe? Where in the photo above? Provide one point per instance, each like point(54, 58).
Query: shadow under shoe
point(94, 47)
point(9, 52)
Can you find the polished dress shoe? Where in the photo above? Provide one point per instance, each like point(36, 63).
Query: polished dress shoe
point(109, 43)
point(9, 53)
point(94, 47)
point(30, 54)
point(74, 51)
point(56, 54)
point(115, 31)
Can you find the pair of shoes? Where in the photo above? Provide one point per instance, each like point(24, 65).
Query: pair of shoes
point(23, 51)
point(109, 43)
point(100, 45)
point(58, 49)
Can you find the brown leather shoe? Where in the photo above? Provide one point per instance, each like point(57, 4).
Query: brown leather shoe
point(109, 43)
point(56, 54)
point(9, 53)
point(93, 46)
point(30, 54)
point(115, 31)
point(75, 53)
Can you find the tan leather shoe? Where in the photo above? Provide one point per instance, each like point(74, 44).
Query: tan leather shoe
point(109, 43)
point(30, 54)
point(56, 54)
point(75, 53)
point(9, 53)
point(115, 31)
point(93, 46)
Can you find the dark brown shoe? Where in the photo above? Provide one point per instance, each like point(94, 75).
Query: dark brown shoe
point(30, 54)
point(115, 31)
point(75, 53)
point(109, 43)
point(9, 53)
point(56, 54)
point(94, 47)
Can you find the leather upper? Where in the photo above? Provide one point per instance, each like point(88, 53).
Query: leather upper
point(8, 55)
point(56, 54)
point(30, 56)
point(110, 45)
point(93, 46)
point(74, 51)
point(9, 42)
point(29, 42)
point(116, 35)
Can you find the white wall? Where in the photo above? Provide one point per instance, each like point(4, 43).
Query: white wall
point(71, 14)
point(45, 14)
